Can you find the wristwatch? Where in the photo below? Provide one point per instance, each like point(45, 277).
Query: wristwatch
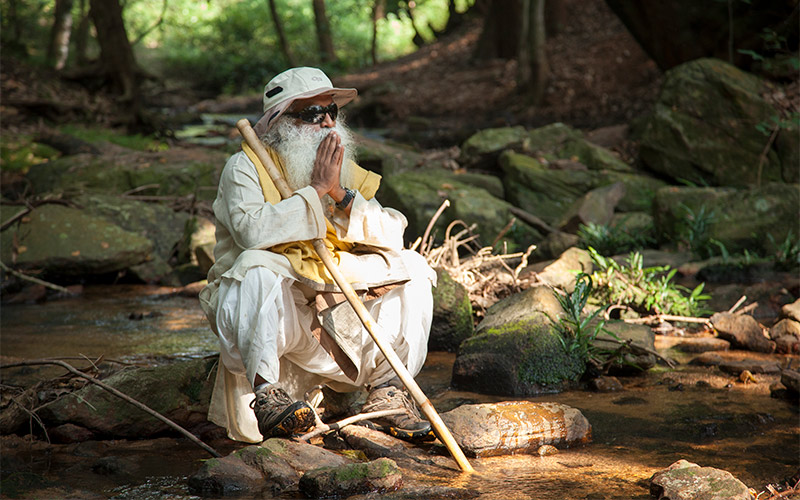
point(349, 194)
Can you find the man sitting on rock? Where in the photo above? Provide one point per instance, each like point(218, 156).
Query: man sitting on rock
point(282, 323)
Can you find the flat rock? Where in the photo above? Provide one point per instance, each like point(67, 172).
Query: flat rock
point(687, 481)
point(707, 359)
point(702, 344)
point(753, 366)
point(512, 427)
point(377, 444)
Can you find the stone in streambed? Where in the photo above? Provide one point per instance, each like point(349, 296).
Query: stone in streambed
point(511, 427)
point(688, 481)
point(377, 476)
point(742, 331)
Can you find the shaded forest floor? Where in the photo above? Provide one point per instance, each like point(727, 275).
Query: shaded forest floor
point(599, 77)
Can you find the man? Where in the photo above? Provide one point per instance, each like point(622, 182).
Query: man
point(282, 326)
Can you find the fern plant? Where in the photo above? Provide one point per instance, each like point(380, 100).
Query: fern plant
point(646, 290)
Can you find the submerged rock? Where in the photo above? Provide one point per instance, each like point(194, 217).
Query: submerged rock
point(688, 481)
point(511, 427)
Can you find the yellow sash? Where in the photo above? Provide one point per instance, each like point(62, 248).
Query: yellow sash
point(301, 254)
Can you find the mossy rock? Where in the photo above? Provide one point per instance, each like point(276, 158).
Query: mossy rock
point(548, 193)
point(418, 194)
point(704, 128)
point(535, 305)
point(480, 150)
point(739, 219)
point(169, 173)
point(452, 314)
point(158, 223)
point(519, 358)
point(68, 242)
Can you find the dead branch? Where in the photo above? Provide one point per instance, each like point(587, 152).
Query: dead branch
point(120, 395)
point(532, 220)
point(658, 318)
point(738, 303)
point(322, 428)
point(25, 277)
point(445, 204)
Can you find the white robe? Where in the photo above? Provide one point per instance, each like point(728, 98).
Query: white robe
point(259, 311)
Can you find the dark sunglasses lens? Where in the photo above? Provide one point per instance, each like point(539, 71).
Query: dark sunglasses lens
point(316, 114)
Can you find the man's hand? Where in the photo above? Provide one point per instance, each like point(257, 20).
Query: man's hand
point(327, 166)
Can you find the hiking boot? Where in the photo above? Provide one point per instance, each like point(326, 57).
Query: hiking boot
point(278, 415)
point(407, 425)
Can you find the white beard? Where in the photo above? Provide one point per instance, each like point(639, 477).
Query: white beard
point(297, 146)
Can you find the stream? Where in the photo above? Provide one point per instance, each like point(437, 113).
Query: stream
point(694, 413)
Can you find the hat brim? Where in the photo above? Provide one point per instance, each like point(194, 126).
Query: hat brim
point(340, 96)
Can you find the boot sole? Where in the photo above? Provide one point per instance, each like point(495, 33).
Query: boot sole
point(413, 436)
point(297, 418)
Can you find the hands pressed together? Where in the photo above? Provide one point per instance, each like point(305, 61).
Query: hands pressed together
point(327, 167)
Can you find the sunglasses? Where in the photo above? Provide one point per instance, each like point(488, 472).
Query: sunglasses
point(316, 114)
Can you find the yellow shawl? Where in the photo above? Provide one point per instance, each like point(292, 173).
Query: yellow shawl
point(301, 254)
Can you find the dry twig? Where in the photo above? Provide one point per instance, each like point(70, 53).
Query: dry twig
point(322, 428)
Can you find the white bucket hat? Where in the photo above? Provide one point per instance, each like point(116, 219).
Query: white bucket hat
point(293, 84)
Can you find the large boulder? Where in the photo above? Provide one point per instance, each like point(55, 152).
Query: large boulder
point(69, 242)
point(180, 391)
point(512, 427)
point(704, 129)
point(738, 219)
point(418, 194)
point(517, 352)
point(595, 207)
point(177, 172)
point(452, 314)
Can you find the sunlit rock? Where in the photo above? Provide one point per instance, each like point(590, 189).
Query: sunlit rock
point(742, 331)
point(511, 427)
point(688, 481)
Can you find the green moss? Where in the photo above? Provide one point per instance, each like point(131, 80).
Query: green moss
point(19, 152)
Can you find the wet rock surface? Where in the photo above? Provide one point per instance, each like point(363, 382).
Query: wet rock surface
point(516, 427)
point(687, 481)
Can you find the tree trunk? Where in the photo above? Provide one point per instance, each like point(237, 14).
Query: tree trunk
point(540, 70)
point(378, 13)
point(556, 16)
point(82, 37)
point(276, 20)
point(533, 70)
point(324, 37)
point(500, 37)
point(58, 49)
point(116, 54)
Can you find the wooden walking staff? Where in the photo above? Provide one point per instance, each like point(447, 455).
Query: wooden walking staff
point(441, 430)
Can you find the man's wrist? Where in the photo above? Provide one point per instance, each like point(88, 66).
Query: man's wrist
point(350, 194)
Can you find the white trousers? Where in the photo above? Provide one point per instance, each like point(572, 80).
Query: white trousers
point(264, 321)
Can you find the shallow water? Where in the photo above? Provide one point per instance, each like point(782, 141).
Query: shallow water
point(692, 413)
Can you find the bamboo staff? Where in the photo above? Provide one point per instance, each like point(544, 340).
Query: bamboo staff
point(439, 428)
